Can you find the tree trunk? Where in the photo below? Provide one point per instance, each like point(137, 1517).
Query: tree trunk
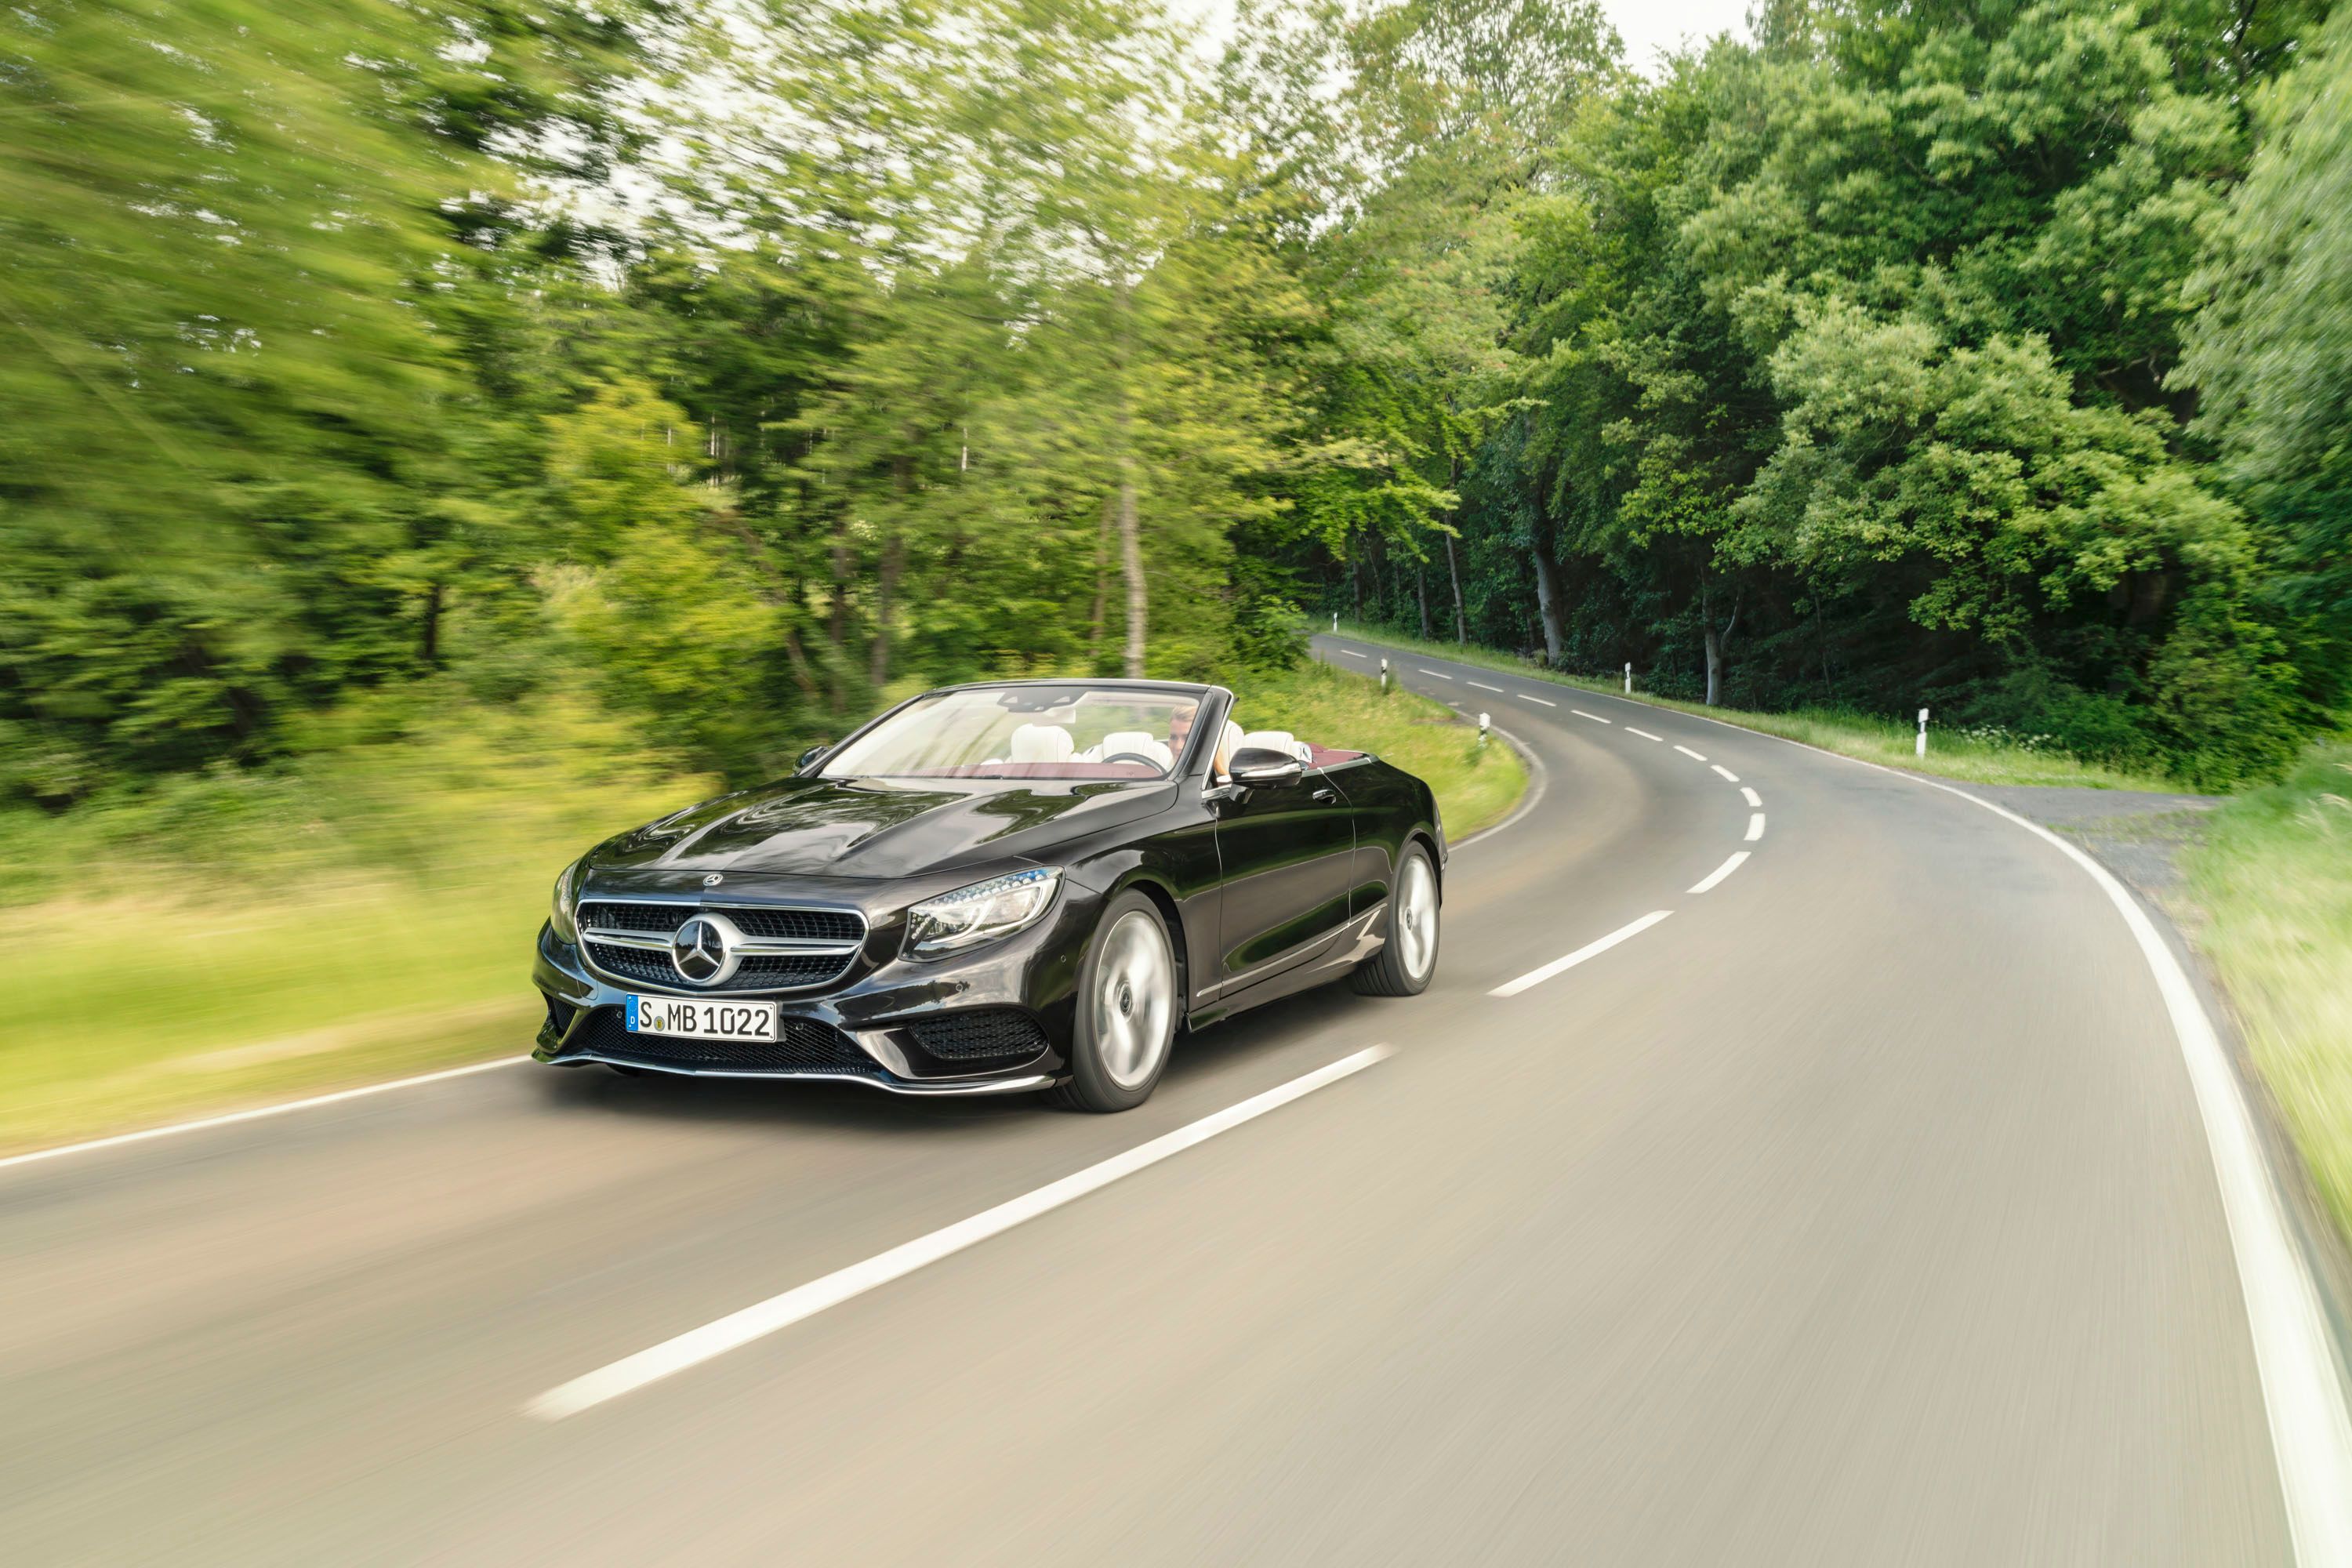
point(1102, 589)
point(837, 626)
point(1421, 592)
point(1453, 569)
point(1548, 587)
point(430, 644)
point(1356, 582)
point(1131, 558)
point(1131, 522)
point(1715, 643)
point(893, 556)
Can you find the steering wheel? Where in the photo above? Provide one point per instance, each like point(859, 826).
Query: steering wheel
point(1133, 757)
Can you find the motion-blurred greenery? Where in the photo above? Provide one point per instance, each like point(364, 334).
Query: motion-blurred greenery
point(389, 376)
point(370, 910)
point(2272, 885)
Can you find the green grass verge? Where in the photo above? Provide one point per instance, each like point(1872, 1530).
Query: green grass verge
point(257, 938)
point(2272, 883)
point(1475, 785)
point(230, 941)
point(1887, 738)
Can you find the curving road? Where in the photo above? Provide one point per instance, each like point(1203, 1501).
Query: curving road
point(1856, 1211)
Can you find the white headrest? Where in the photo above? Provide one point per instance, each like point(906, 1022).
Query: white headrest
point(1137, 742)
point(1281, 741)
point(1041, 744)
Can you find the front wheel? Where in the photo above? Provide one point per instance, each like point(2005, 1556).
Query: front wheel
point(1126, 1010)
point(1409, 958)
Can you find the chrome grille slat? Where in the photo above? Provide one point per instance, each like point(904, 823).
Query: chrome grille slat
point(786, 947)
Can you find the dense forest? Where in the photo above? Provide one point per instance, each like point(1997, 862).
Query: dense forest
point(741, 364)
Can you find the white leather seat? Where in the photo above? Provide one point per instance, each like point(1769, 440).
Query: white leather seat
point(1137, 743)
point(1229, 740)
point(1281, 741)
point(1041, 744)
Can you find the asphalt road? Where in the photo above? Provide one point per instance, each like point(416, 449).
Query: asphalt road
point(1856, 1212)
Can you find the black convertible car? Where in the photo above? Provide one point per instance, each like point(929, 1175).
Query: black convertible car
point(1019, 885)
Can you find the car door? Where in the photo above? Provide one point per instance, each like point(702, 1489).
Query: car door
point(1285, 854)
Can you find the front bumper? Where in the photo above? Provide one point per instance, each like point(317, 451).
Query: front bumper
point(887, 1025)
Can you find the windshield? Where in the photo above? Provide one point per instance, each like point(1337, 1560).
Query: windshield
point(1025, 733)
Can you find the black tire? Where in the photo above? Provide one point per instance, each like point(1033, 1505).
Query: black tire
point(1389, 971)
point(1121, 1041)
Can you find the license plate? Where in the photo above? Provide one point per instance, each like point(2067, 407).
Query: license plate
point(702, 1020)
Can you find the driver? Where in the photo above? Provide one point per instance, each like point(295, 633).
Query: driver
point(1180, 728)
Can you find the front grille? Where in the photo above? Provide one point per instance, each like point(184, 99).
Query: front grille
point(757, 972)
point(660, 920)
point(807, 1046)
point(981, 1035)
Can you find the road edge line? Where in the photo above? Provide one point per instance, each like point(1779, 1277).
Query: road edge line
point(1538, 781)
point(255, 1112)
point(2305, 1400)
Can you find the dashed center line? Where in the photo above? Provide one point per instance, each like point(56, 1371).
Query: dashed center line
point(1753, 798)
point(1755, 826)
point(763, 1318)
point(1687, 752)
point(1352, 653)
point(1524, 698)
point(1720, 872)
point(1582, 714)
point(1590, 950)
point(1439, 673)
point(1643, 734)
point(1484, 687)
point(1728, 775)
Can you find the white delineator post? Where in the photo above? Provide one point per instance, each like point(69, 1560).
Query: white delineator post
point(1923, 732)
point(1483, 721)
point(1335, 620)
point(1384, 674)
point(1629, 677)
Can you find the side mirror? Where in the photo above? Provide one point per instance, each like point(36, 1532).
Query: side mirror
point(1262, 767)
point(810, 758)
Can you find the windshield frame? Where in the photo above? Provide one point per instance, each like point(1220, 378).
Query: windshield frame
point(1217, 704)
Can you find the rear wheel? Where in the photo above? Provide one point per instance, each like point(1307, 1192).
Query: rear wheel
point(1126, 1010)
point(1409, 958)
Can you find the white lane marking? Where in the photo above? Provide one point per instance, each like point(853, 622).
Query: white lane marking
point(1439, 673)
point(1729, 777)
point(1484, 687)
point(1351, 653)
point(1591, 948)
point(1755, 826)
point(739, 1328)
point(1582, 714)
point(1708, 882)
point(1687, 752)
point(1545, 701)
point(1643, 734)
point(258, 1112)
point(1752, 797)
point(2304, 1395)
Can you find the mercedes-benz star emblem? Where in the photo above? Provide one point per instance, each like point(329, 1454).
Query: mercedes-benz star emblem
point(713, 880)
point(702, 951)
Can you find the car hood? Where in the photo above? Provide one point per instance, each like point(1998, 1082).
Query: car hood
point(878, 827)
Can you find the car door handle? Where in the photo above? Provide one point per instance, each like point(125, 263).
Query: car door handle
point(1324, 796)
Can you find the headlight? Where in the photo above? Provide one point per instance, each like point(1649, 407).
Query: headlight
point(567, 891)
point(982, 912)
